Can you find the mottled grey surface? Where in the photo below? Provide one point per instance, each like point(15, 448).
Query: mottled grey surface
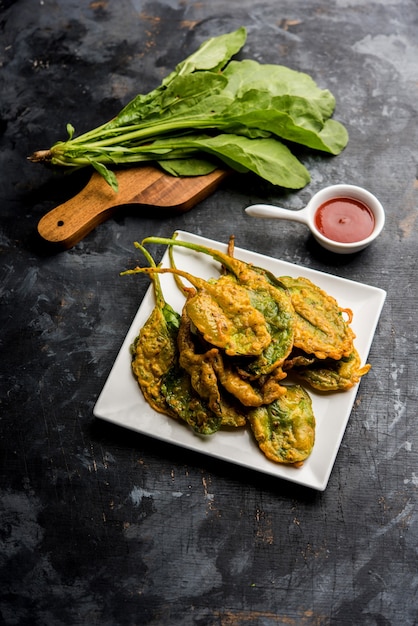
point(102, 526)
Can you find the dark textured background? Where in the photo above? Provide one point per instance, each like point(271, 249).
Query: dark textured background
point(102, 526)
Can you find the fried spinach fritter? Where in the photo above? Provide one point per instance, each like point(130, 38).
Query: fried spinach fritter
point(320, 327)
point(285, 429)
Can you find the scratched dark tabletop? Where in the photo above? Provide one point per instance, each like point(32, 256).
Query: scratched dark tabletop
point(99, 525)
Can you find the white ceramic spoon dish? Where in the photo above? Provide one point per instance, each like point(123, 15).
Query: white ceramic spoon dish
point(307, 215)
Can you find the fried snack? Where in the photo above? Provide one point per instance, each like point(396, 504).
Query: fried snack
point(276, 306)
point(331, 375)
point(267, 295)
point(232, 412)
point(285, 429)
point(298, 359)
point(154, 350)
point(222, 362)
point(202, 364)
point(199, 365)
point(191, 387)
point(186, 404)
point(222, 312)
point(250, 393)
point(320, 327)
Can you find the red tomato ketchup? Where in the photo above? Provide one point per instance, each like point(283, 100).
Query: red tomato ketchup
point(345, 220)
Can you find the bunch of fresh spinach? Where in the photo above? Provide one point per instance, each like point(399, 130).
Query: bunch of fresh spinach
point(212, 109)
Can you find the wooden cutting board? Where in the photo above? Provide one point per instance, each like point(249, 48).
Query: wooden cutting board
point(148, 186)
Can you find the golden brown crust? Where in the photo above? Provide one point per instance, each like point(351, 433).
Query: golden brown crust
point(285, 429)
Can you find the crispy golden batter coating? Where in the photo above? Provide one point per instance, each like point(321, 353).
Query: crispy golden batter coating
point(285, 429)
point(224, 314)
point(330, 375)
point(200, 363)
point(249, 392)
point(154, 352)
point(186, 404)
point(274, 302)
point(222, 362)
point(233, 414)
point(320, 327)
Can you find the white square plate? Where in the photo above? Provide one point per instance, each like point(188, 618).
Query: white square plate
point(122, 403)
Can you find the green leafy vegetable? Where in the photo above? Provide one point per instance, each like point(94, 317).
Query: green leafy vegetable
point(212, 109)
point(266, 294)
point(186, 404)
point(156, 343)
point(285, 429)
point(222, 312)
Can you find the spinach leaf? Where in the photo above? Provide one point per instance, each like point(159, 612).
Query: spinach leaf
point(209, 109)
point(213, 54)
point(192, 166)
point(184, 94)
point(279, 80)
point(267, 158)
point(292, 118)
